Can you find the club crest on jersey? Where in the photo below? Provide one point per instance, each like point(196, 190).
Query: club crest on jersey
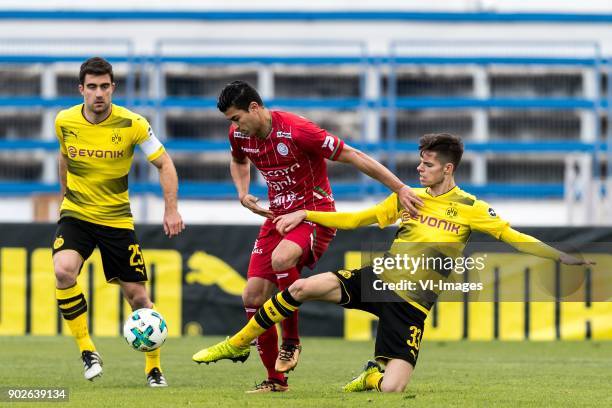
point(492, 212)
point(116, 137)
point(451, 212)
point(282, 149)
point(59, 241)
point(345, 274)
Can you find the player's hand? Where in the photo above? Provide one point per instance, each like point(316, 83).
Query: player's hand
point(173, 223)
point(250, 201)
point(568, 259)
point(287, 222)
point(409, 200)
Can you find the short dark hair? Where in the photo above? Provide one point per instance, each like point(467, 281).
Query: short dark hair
point(449, 148)
point(238, 94)
point(96, 66)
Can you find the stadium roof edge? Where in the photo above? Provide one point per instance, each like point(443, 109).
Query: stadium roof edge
point(292, 15)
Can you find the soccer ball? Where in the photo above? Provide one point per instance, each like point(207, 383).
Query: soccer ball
point(145, 330)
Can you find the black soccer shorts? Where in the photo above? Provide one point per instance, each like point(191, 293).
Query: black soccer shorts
point(119, 248)
point(400, 325)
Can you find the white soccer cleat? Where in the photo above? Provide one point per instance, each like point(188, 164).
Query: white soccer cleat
point(92, 364)
point(155, 378)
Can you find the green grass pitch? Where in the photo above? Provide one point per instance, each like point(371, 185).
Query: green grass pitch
point(532, 374)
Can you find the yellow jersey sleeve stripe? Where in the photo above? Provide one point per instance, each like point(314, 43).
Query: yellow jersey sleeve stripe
point(419, 307)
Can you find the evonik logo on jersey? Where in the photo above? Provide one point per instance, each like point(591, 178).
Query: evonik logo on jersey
point(432, 222)
point(73, 152)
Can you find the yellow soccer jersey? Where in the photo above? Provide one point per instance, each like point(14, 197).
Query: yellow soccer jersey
point(449, 217)
point(99, 157)
point(440, 230)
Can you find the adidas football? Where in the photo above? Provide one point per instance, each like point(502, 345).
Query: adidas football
point(145, 330)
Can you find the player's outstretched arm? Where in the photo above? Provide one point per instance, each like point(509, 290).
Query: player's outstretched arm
point(340, 220)
point(168, 179)
point(366, 164)
point(531, 245)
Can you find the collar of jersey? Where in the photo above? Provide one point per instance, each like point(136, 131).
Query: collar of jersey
point(440, 195)
point(99, 123)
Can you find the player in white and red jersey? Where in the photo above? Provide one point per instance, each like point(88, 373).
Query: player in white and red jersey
point(290, 153)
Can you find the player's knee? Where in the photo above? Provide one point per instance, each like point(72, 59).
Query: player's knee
point(65, 272)
point(300, 289)
point(252, 299)
point(393, 385)
point(282, 261)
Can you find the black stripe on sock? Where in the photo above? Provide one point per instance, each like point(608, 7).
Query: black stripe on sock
point(281, 309)
point(289, 299)
point(80, 296)
point(74, 312)
point(74, 308)
point(262, 319)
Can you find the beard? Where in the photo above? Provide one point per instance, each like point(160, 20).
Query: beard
point(99, 108)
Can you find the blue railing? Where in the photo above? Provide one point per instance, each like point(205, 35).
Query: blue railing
point(24, 102)
point(391, 102)
point(342, 190)
point(297, 15)
point(498, 146)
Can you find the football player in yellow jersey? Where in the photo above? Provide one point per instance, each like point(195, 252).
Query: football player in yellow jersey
point(97, 141)
point(448, 216)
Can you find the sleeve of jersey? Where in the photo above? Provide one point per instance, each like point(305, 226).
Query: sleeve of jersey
point(485, 219)
point(381, 213)
point(60, 137)
point(318, 141)
point(343, 220)
point(234, 148)
point(528, 244)
point(387, 211)
point(148, 142)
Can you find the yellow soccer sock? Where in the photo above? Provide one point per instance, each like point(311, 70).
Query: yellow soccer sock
point(73, 306)
point(374, 381)
point(276, 309)
point(152, 358)
point(248, 333)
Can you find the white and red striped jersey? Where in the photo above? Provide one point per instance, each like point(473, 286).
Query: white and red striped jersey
point(292, 161)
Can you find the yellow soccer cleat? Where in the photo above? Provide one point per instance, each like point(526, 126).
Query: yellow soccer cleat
point(222, 351)
point(360, 383)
